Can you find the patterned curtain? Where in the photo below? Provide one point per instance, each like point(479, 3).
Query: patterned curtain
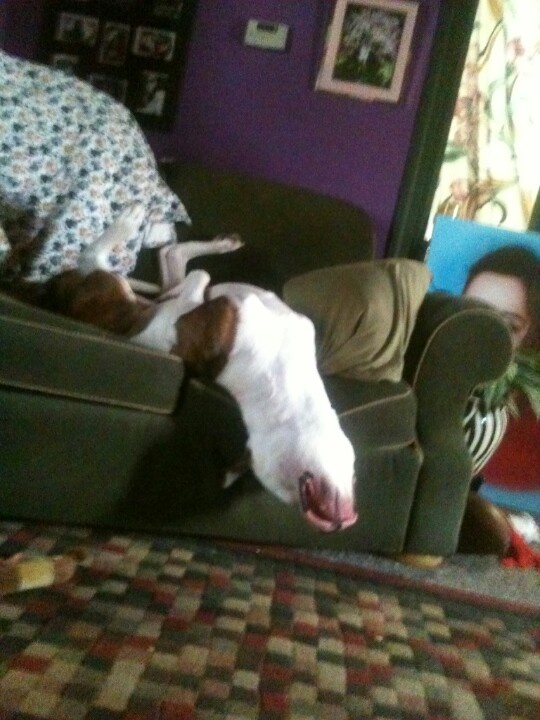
point(491, 170)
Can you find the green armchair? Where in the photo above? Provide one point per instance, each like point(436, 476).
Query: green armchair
point(94, 430)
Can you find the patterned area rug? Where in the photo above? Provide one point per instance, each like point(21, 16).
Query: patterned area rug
point(178, 629)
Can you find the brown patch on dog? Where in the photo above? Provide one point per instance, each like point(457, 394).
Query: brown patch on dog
point(98, 298)
point(206, 336)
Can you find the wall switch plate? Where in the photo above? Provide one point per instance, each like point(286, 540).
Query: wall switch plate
point(266, 35)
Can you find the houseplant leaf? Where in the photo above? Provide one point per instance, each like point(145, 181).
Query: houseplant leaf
point(522, 375)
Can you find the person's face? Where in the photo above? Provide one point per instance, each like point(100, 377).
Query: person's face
point(508, 295)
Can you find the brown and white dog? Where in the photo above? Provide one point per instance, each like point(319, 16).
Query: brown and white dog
point(245, 339)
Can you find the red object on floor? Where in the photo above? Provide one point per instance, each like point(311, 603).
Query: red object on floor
point(516, 463)
point(519, 554)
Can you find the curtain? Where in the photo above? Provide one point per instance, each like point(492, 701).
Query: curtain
point(491, 168)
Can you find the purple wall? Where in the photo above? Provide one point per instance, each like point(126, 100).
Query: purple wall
point(256, 111)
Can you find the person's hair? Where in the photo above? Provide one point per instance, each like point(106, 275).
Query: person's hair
point(522, 263)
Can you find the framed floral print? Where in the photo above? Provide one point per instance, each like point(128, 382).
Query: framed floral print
point(367, 48)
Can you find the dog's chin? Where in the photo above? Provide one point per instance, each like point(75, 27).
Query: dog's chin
point(323, 506)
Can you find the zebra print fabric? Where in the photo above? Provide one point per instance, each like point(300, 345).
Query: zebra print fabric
point(484, 430)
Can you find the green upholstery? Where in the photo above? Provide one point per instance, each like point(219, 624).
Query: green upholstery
point(82, 362)
point(456, 345)
point(93, 430)
point(287, 230)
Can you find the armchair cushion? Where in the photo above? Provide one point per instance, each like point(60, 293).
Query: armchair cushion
point(374, 415)
point(364, 314)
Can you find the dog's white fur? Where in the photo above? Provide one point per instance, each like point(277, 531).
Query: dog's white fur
point(298, 450)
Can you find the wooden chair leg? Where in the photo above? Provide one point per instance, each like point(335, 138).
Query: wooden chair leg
point(426, 562)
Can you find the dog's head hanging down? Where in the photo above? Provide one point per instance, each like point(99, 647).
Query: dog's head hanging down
point(263, 353)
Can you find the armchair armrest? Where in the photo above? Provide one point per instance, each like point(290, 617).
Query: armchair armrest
point(47, 353)
point(457, 344)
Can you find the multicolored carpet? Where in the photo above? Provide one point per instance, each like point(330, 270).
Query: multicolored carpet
point(178, 629)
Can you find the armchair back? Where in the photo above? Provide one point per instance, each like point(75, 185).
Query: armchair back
point(287, 230)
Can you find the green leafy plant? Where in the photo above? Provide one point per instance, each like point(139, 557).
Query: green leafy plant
point(522, 376)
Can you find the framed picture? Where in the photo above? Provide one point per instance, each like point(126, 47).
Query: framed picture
point(154, 43)
point(367, 48)
point(135, 50)
point(114, 43)
point(115, 87)
point(77, 29)
point(167, 8)
point(66, 62)
point(155, 87)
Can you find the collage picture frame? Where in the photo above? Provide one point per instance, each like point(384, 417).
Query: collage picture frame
point(367, 49)
point(134, 50)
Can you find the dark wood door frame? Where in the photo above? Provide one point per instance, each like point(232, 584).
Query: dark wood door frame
point(426, 153)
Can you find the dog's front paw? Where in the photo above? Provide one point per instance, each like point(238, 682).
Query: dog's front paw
point(129, 221)
point(227, 243)
point(123, 229)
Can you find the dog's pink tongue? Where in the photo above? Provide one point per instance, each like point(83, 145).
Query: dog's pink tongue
point(324, 507)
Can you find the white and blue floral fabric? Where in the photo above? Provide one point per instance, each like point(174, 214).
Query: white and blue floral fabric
point(71, 158)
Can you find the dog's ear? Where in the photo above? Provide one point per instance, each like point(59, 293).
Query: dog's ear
point(58, 292)
point(98, 299)
point(206, 336)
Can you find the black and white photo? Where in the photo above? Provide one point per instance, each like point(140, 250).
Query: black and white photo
point(77, 29)
point(66, 62)
point(115, 87)
point(114, 43)
point(154, 87)
point(154, 43)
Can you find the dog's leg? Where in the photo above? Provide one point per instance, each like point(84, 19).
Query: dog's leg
point(124, 228)
point(161, 333)
point(173, 259)
point(191, 291)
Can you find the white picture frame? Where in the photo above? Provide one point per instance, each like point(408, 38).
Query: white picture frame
point(367, 49)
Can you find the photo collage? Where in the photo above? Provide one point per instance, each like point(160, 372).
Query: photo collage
point(134, 50)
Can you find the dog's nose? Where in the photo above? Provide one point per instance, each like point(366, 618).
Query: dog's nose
point(324, 506)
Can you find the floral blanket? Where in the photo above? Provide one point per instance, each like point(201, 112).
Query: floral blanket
point(71, 158)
